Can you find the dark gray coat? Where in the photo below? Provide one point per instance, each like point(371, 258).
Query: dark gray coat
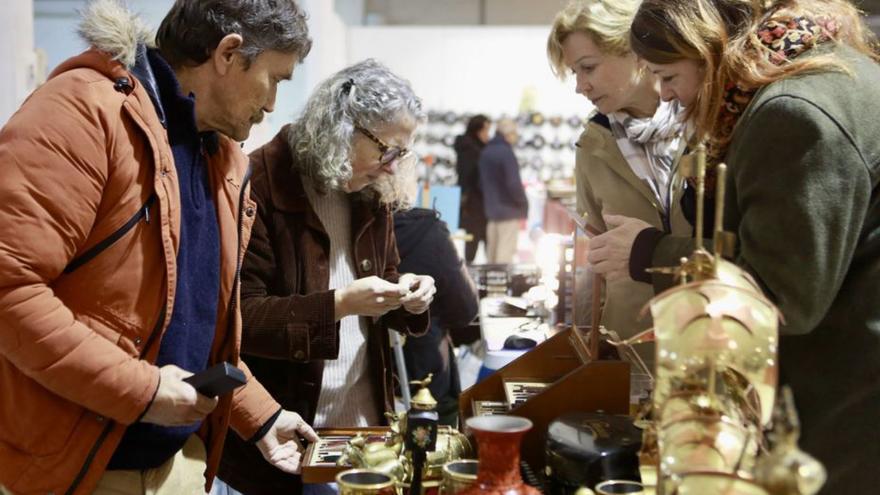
point(804, 203)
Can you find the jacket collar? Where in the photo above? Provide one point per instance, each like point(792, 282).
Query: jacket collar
point(499, 140)
point(119, 48)
point(143, 71)
point(153, 72)
point(609, 153)
point(286, 189)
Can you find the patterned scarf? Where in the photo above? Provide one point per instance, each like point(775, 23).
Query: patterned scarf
point(785, 39)
point(649, 145)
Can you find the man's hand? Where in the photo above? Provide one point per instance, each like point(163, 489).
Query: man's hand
point(420, 292)
point(176, 402)
point(610, 252)
point(369, 296)
point(281, 447)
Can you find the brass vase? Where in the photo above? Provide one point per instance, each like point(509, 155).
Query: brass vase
point(365, 482)
point(458, 475)
point(613, 487)
point(498, 444)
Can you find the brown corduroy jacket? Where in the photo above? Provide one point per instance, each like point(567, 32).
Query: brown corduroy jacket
point(289, 314)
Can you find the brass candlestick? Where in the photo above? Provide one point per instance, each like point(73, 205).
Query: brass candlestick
point(717, 367)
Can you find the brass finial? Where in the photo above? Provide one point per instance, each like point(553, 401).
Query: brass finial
point(702, 265)
point(724, 243)
point(423, 400)
point(701, 192)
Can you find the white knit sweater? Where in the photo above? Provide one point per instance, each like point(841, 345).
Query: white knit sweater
point(346, 397)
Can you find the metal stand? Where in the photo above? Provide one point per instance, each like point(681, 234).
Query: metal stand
point(397, 346)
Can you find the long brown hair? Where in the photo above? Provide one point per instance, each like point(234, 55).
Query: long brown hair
point(721, 36)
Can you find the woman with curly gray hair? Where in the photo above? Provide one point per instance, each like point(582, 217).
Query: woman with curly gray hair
point(320, 286)
point(335, 128)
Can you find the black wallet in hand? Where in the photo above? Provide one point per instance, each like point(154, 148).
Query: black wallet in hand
point(217, 380)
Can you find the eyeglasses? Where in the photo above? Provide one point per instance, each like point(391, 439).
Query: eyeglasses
point(389, 153)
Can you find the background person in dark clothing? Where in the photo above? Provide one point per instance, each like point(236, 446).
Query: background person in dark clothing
point(468, 147)
point(504, 198)
point(425, 247)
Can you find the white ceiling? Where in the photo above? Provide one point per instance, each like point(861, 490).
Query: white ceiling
point(461, 12)
point(492, 12)
point(432, 12)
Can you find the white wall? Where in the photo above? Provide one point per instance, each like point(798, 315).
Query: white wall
point(56, 21)
point(470, 69)
point(462, 12)
point(18, 68)
point(492, 70)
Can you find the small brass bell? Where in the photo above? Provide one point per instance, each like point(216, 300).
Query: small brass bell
point(423, 400)
point(420, 432)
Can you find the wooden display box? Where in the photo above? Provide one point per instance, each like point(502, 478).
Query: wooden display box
point(576, 383)
point(319, 465)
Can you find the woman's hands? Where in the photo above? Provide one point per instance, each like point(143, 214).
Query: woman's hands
point(369, 296)
point(610, 252)
point(373, 296)
point(420, 292)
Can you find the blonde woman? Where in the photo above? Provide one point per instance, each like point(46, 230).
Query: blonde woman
point(626, 155)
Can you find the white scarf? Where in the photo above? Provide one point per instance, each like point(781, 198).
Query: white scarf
point(649, 146)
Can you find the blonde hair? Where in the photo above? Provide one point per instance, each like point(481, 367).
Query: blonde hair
point(606, 22)
point(721, 36)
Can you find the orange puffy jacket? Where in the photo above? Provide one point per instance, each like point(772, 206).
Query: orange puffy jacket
point(89, 226)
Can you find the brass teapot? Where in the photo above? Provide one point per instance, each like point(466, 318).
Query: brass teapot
point(389, 456)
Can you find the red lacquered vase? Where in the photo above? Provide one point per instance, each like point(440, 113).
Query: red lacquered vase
point(498, 442)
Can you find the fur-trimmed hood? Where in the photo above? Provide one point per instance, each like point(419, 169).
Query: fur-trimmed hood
point(110, 27)
point(118, 42)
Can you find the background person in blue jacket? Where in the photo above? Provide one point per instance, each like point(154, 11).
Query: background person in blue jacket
point(504, 197)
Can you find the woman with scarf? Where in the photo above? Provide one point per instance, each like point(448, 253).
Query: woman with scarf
point(787, 95)
point(627, 154)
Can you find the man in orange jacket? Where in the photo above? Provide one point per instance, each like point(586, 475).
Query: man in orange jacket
point(125, 213)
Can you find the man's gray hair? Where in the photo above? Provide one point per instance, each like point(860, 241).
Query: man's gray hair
point(506, 126)
point(192, 29)
point(366, 94)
